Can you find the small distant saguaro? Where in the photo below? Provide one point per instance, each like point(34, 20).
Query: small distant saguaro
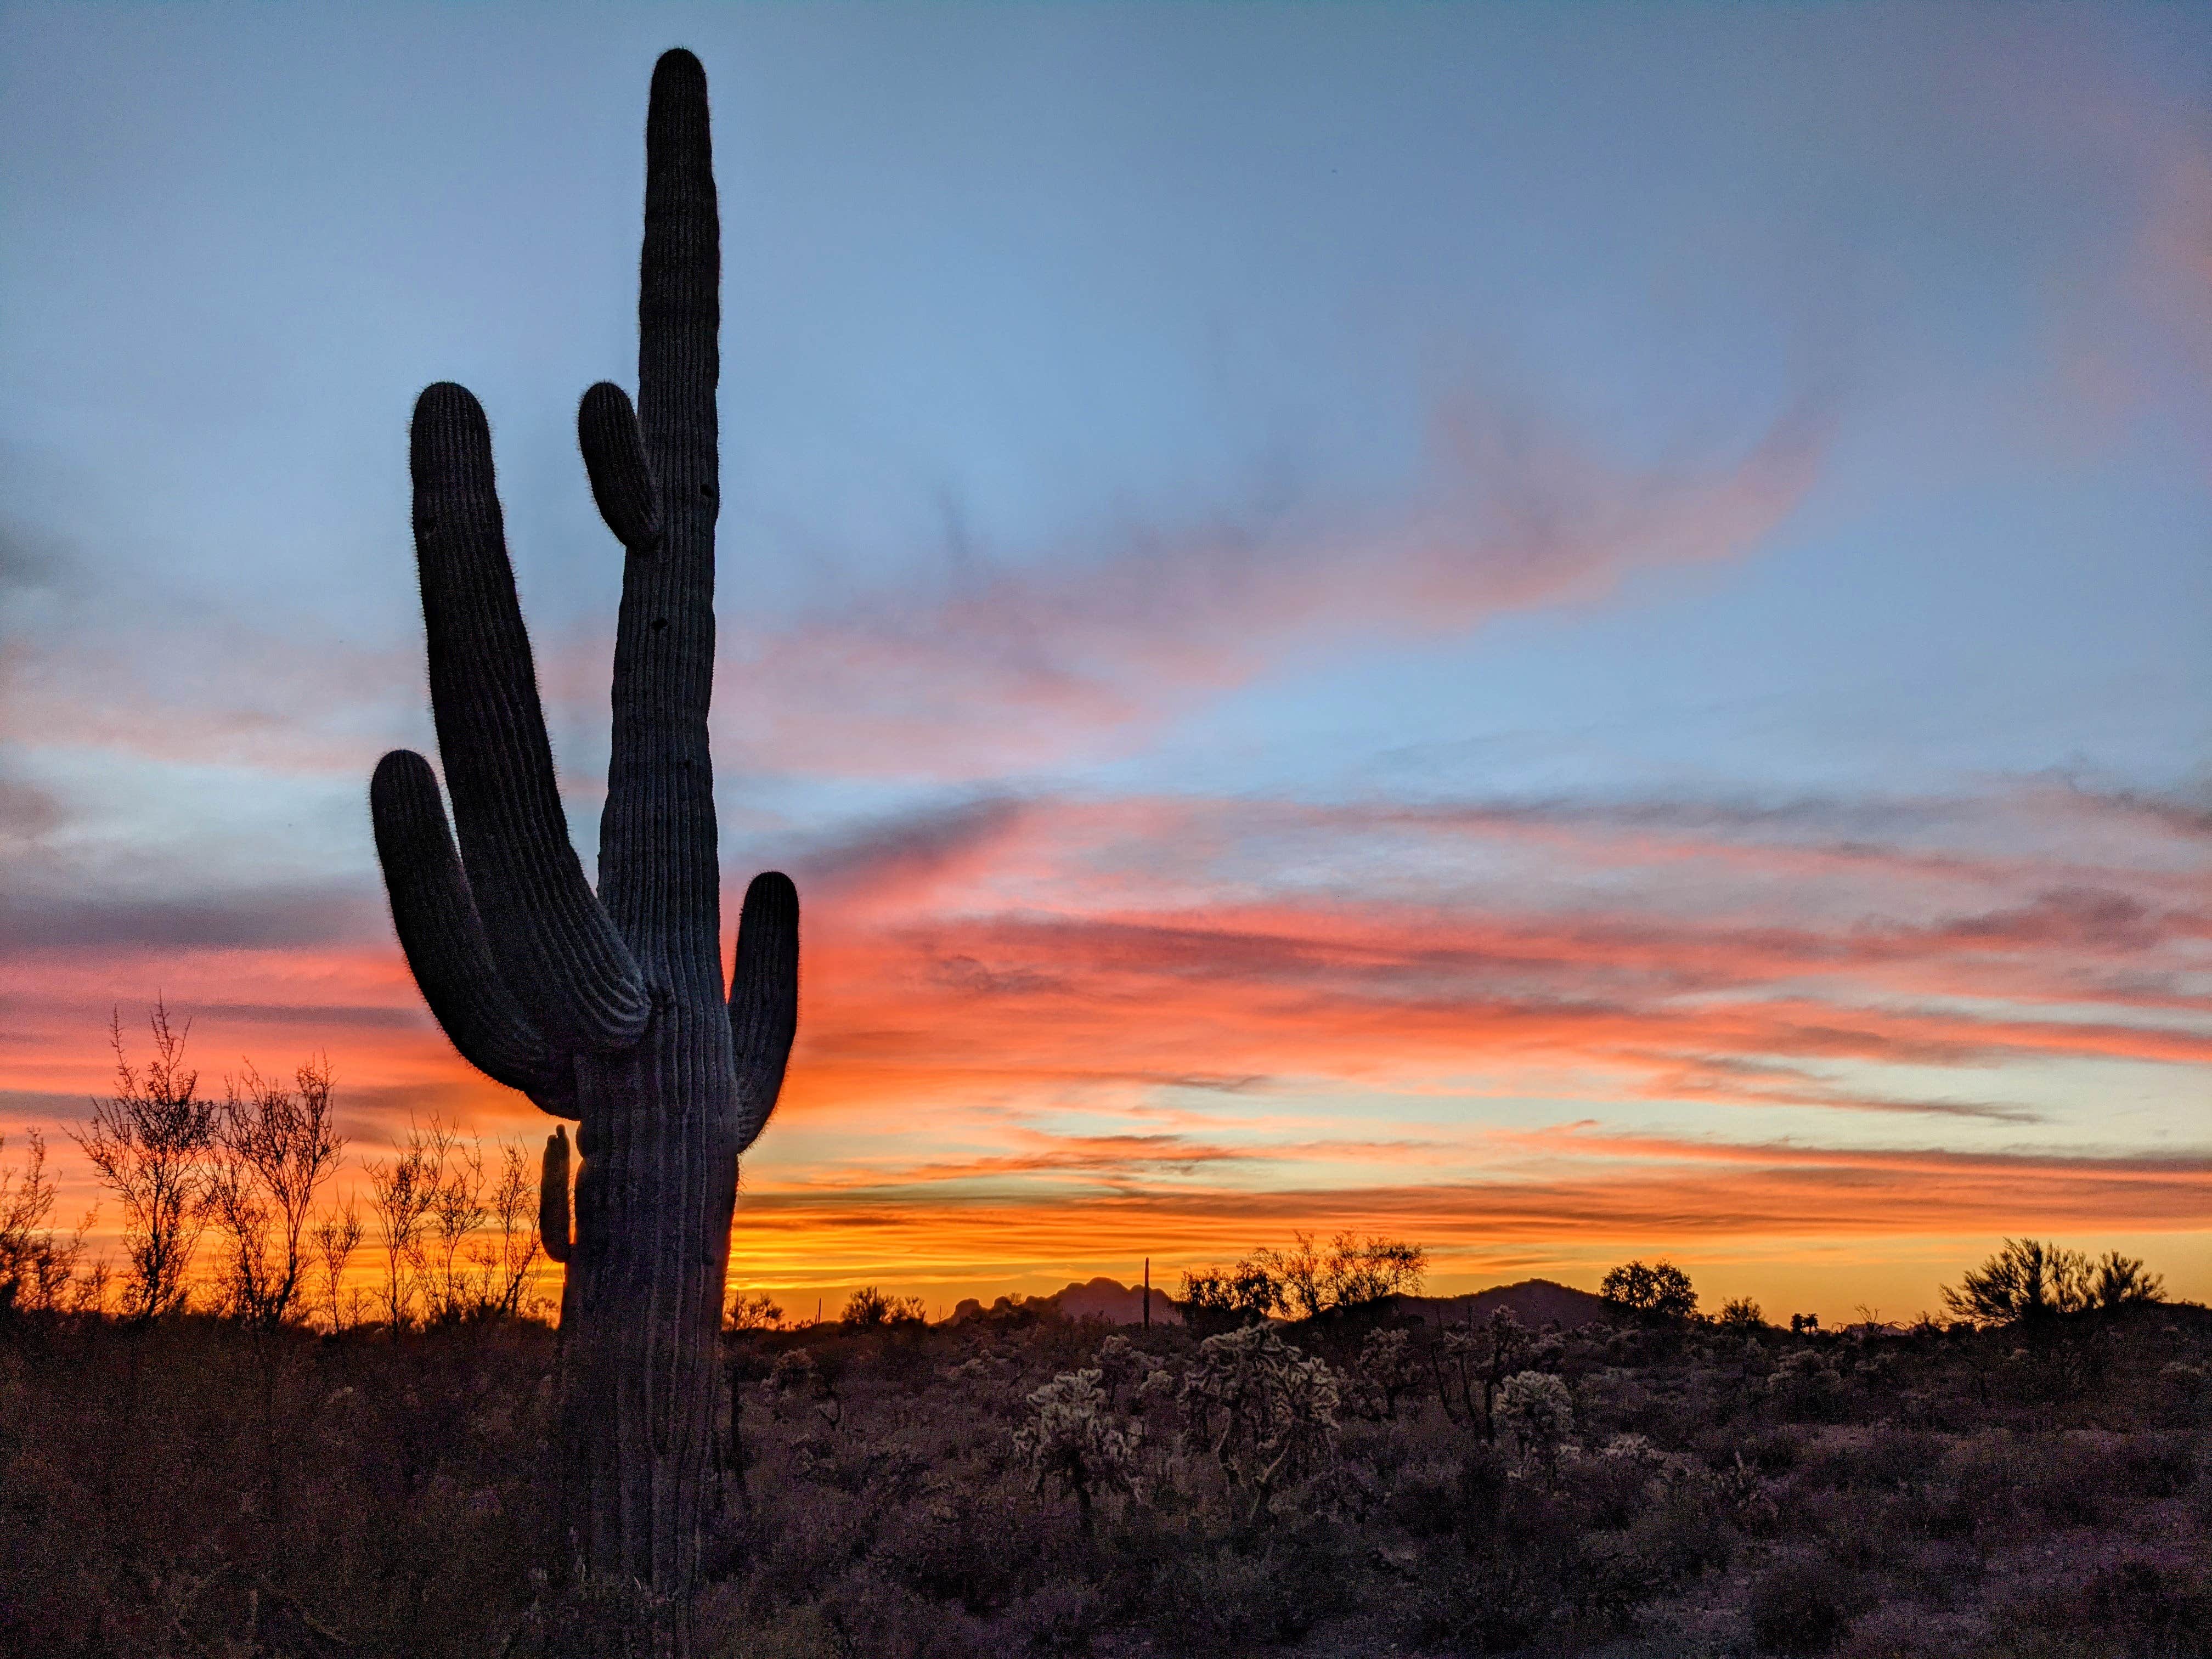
point(606, 1008)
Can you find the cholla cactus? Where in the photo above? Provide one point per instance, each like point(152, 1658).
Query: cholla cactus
point(1473, 1363)
point(1539, 1413)
point(1385, 1370)
point(1158, 1386)
point(1120, 1361)
point(1265, 1411)
point(796, 1374)
point(1077, 1441)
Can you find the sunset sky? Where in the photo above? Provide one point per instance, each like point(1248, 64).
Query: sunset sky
point(1567, 631)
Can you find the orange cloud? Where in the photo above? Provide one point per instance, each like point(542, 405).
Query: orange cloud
point(1033, 1030)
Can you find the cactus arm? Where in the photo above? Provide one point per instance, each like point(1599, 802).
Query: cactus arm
point(614, 456)
point(557, 951)
point(444, 940)
point(764, 998)
point(553, 1195)
point(657, 872)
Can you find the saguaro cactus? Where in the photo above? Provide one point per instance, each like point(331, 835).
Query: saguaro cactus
point(606, 1008)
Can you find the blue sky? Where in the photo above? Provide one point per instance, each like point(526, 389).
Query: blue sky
point(1167, 451)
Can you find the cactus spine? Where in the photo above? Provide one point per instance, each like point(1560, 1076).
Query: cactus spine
point(607, 1007)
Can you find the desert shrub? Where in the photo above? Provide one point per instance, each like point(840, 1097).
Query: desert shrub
point(1352, 1273)
point(2136, 1607)
point(1057, 1618)
point(1216, 1300)
point(2029, 1280)
point(964, 1545)
point(805, 1535)
point(870, 1614)
point(1887, 1460)
point(1491, 1600)
point(2179, 1392)
point(1683, 1536)
point(1805, 1385)
point(2008, 1483)
point(2157, 1465)
point(868, 1308)
point(2119, 1281)
point(1302, 1282)
point(1274, 1590)
point(1928, 1408)
point(1803, 1606)
point(1771, 1451)
point(1741, 1315)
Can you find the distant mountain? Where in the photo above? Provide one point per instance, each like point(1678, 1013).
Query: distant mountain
point(1106, 1299)
point(1534, 1302)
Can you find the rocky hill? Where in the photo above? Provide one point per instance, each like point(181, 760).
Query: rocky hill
point(1534, 1302)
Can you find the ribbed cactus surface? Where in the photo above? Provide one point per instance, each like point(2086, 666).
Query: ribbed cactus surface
point(607, 1007)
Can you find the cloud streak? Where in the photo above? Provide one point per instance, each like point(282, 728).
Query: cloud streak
point(1013, 666)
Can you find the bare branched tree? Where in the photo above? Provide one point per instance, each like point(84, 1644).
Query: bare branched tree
point(38, 1270)
point(504, 1262)
point(274, 1148)
point(337, 1236)
point(402, 1192)
point(150, 1144)
point(457, 1210)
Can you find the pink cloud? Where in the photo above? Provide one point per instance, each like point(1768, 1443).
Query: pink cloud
point(1027, 663)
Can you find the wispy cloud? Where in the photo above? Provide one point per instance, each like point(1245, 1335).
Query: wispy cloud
point(989, 668)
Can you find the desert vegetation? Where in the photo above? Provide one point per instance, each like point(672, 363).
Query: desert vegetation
point(235, 1472)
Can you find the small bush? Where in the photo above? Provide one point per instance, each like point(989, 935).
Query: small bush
point(1803, 1607)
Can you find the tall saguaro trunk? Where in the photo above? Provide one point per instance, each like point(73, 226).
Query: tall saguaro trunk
point(607, 1007)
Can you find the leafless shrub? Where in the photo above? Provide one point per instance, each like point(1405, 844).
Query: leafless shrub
point(273, 1148)
point(505, 1260)
point(337, 1234)
point(403, 1194)
point(149, 1143)
point(39, 1271)
point(456, 1211)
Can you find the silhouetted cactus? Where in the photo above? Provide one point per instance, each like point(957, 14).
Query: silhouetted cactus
point(607, 1007)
